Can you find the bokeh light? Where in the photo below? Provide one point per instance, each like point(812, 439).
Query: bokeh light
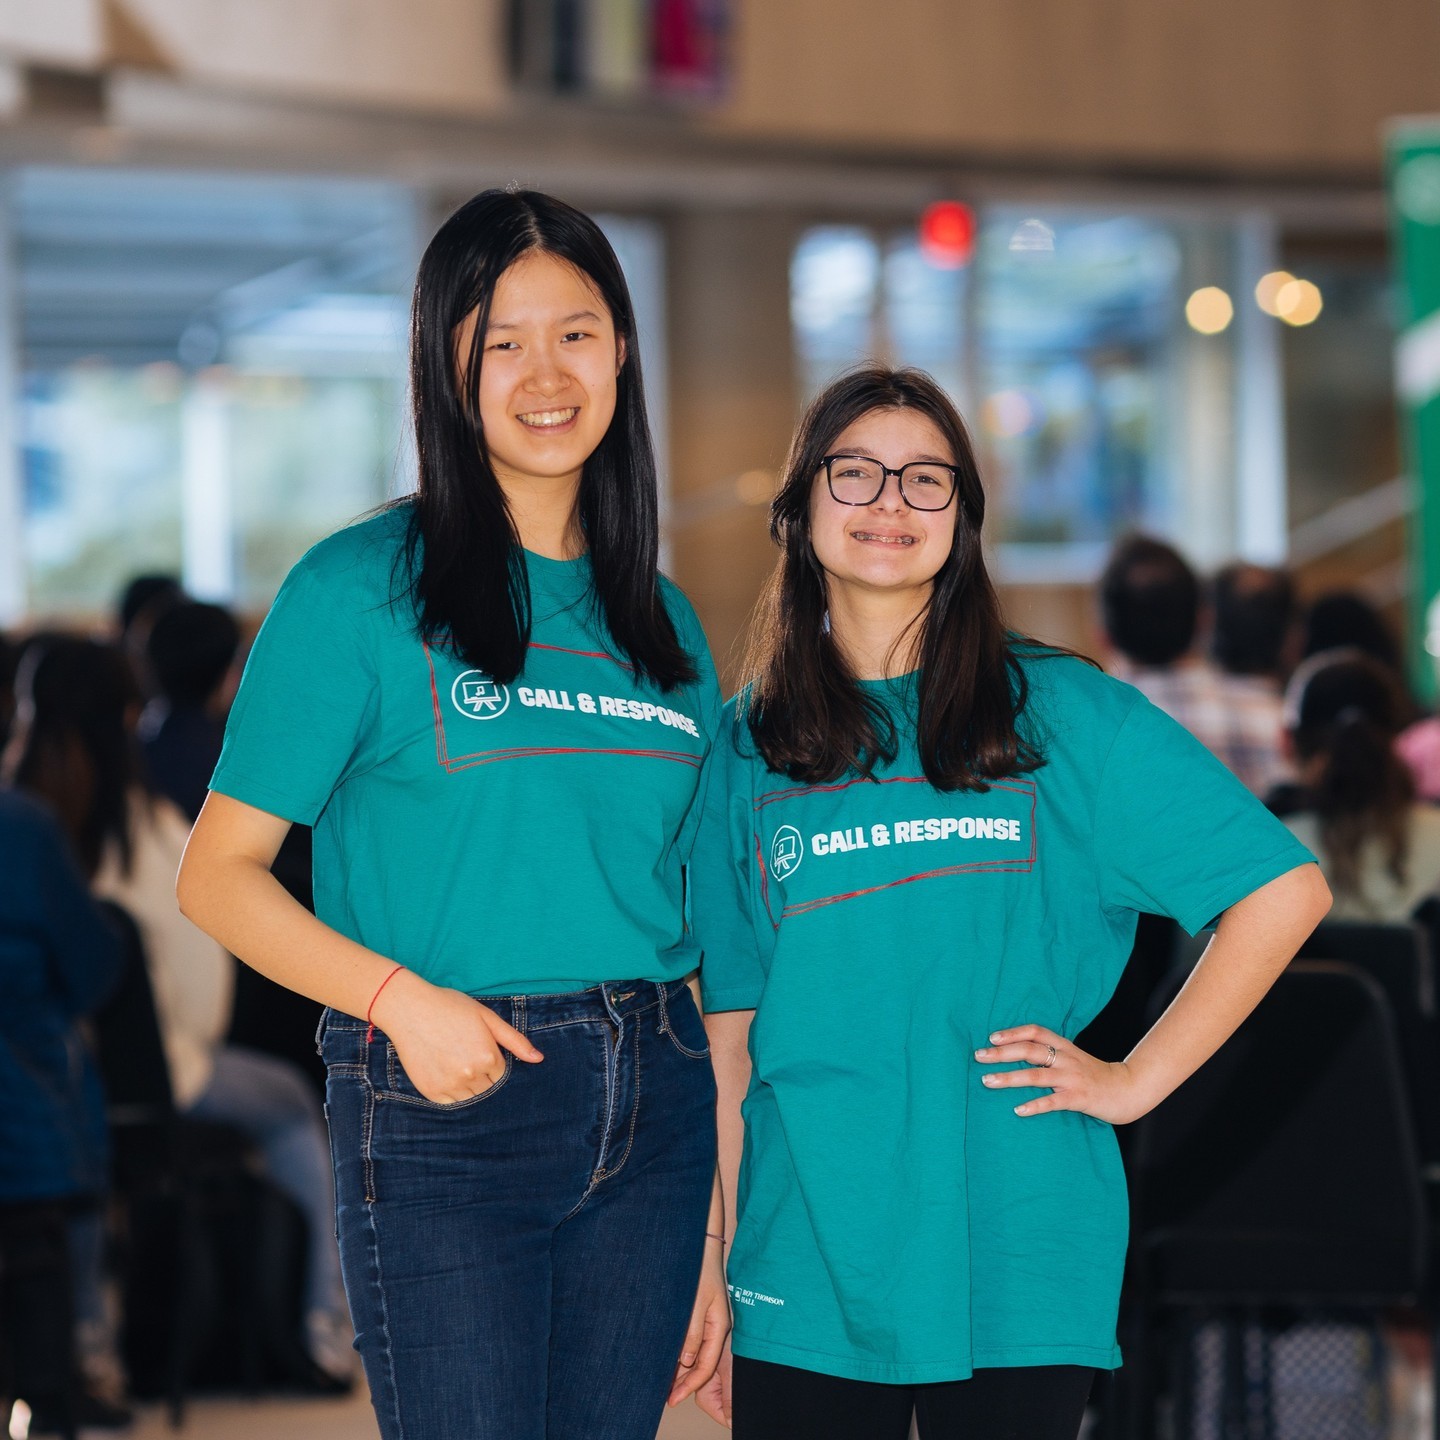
point(1209, 310)
point(1008, 413)
point(1299, 302)
point(947, 234)
point(1268, 288)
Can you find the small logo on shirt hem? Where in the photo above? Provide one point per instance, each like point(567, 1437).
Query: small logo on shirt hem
point(753, 1297)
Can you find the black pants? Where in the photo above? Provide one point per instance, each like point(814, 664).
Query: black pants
point(36, 1309)
point(1039, 1402)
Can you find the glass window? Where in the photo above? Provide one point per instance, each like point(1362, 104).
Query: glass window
point(925, 314)
point(213, 374)
point(1095, 406)
point(1340, 396)
point(101, 489)
point(1075, 322)
point(834, 285)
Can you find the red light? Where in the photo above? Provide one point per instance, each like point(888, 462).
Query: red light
point(947, 234)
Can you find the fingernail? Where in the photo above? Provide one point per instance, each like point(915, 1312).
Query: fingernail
point(987, 1079)
point(997, 1037)
point(1021, 1110)
point(688, 1358)
point(981, 1054)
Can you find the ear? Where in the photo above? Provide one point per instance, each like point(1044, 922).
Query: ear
point(622, 353)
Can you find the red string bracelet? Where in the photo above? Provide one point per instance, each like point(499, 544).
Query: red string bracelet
point(370, 1033)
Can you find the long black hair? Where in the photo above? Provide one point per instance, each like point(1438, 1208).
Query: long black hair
point(810, 718)
point(1344, 710)
point(73, 746)
point(465, 566)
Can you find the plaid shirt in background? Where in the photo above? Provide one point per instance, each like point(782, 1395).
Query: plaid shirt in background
point(1238, 718)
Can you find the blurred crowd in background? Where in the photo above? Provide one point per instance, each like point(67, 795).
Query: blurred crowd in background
point(149, 1090)
point(213, 1114)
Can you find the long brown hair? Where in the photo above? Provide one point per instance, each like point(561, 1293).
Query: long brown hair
point(1345, 710)
point(810, 717)
point(72, 746)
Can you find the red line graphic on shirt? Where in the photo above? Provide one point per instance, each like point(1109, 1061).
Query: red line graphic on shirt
point(1009, 865)
point(493, 756)
point(771, 796)
point(588, 654)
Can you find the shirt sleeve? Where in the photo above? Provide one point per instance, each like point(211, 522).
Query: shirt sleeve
point(306, 701)
point(1175, 832)
point(706, 691)
point(735, 944)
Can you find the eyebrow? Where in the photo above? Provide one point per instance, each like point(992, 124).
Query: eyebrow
point(565, 320)
point(917, 460)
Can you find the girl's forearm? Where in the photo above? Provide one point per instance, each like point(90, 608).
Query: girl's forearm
point(226, 888)
point(1255, 940)
point(729, 1032)
point(715, 1223)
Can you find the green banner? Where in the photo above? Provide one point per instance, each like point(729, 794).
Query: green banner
point(1414, 171)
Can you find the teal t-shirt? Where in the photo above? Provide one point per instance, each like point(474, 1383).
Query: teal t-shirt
point(898, 1221)
point(500, 839)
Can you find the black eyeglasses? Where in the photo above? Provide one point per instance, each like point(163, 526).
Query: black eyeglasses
point(860, 480)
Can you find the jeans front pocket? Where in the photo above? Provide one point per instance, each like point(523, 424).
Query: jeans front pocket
point(681, 1021)
point(340, 1043)
point(399, 1086)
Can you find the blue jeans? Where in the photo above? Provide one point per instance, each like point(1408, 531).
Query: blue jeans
point(522, 1265)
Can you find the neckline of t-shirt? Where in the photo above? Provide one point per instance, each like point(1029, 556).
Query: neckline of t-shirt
point(892, 682)
point(567, 577)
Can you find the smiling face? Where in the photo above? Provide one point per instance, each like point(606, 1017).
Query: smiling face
point(548, 373)
point(885, 546)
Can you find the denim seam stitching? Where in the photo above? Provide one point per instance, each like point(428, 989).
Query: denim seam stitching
point(420, 1102)
point(561, 1024)
point(387, 1345)
point(634, 1114)
point(612, 1101)
point(675, 1039)
point(593, 1019)
point(367, 1131)
point(598, 1173)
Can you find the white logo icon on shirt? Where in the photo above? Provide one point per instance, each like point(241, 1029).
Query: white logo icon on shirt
point(476, 696)
point(787, 850)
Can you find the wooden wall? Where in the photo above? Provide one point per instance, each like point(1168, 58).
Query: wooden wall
point(1228, 84)
point(1232, 85)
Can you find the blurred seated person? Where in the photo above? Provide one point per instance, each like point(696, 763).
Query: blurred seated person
point(190, 658)
point(73, 749)
point(9, 659)
point(1419, 743)
point(144, 598)
point(1253, 619)
point(1345, 620)
point(1150, 603)
point(1354, 802)
point(59, 960)
point(190, 654)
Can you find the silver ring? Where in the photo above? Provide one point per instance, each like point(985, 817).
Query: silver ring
point(1046, 1064)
